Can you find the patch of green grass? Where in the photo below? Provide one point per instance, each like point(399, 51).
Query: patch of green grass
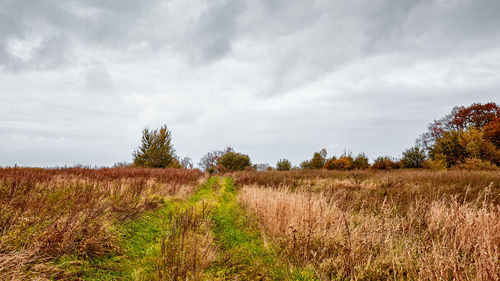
point(243, 254)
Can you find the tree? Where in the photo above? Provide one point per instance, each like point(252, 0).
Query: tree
point(234, 161)
point(476, 115)
point(413, 158)
point(458, 146)
point(448, 145)
point(319, 159)
point(361, 162)
point(210, 160)
point(283, 165)
point(187, 163)
point(306, 164)
point(492, 132)
point(262, 167)
point(329, 163)
point(156, 149)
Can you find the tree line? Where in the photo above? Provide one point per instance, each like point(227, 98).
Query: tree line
point(467, 138)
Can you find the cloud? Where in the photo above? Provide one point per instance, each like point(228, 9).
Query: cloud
point(272, 78)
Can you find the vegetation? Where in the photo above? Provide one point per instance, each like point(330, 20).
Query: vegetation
point(234, 161)
point(315, 224)
point(49, 214)
point(467, 134)
point(284, 165)
point(156, 149)
point(334, 219)
point(398, 225)
point(225, 160)
point(413, 158)
point(361, 162)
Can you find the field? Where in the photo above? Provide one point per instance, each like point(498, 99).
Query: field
point(174, 224)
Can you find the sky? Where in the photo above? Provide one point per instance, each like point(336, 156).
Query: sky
point(79, 80)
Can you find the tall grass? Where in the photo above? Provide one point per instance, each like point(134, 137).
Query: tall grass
point(372, 225)
point(48, 213)
point(187, 247)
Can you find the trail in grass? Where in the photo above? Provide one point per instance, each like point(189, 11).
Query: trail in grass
point(141, 240)
point(243, 254)
point(240, 248)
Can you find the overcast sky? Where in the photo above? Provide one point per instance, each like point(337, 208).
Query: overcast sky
point(275, 79)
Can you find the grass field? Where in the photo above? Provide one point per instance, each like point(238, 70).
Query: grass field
point(172, 224)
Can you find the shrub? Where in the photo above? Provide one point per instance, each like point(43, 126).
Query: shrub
point(436, 164)
point(475, 164)
point(413, 158)
point(384, 163)
point(342, 163)
point(283, 165)
point(361, 162)
point(306, 164)
point(329, 164)
point(234, 161)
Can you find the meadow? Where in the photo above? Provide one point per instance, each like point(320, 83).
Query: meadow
point(176, 224)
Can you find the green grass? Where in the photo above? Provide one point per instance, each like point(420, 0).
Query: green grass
point(242, 252)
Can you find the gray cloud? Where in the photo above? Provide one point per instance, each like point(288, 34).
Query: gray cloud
point(80, 79)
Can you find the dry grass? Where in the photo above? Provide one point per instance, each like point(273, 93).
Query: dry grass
point(372, 225)
point(48, 213)
point(187, 247)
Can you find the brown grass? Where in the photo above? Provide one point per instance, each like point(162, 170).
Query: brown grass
point(379, 225)
point(187, 247)
point(48, 213)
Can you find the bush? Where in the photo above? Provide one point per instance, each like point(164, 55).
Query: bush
point(283, 165)
point(329, 164)
point(384, 163)
point(436, 164)
point(234, 161)
point(413, 158)
point(475, 164)
point(306, 164)
point(361, 162)
point(342, 163)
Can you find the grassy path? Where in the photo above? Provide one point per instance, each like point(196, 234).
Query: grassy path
point(243, 254)
point(206, 237)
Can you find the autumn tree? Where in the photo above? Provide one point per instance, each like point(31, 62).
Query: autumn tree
point(384, 163)
point(492, 132)
point(476, 115)
point(156, 149)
